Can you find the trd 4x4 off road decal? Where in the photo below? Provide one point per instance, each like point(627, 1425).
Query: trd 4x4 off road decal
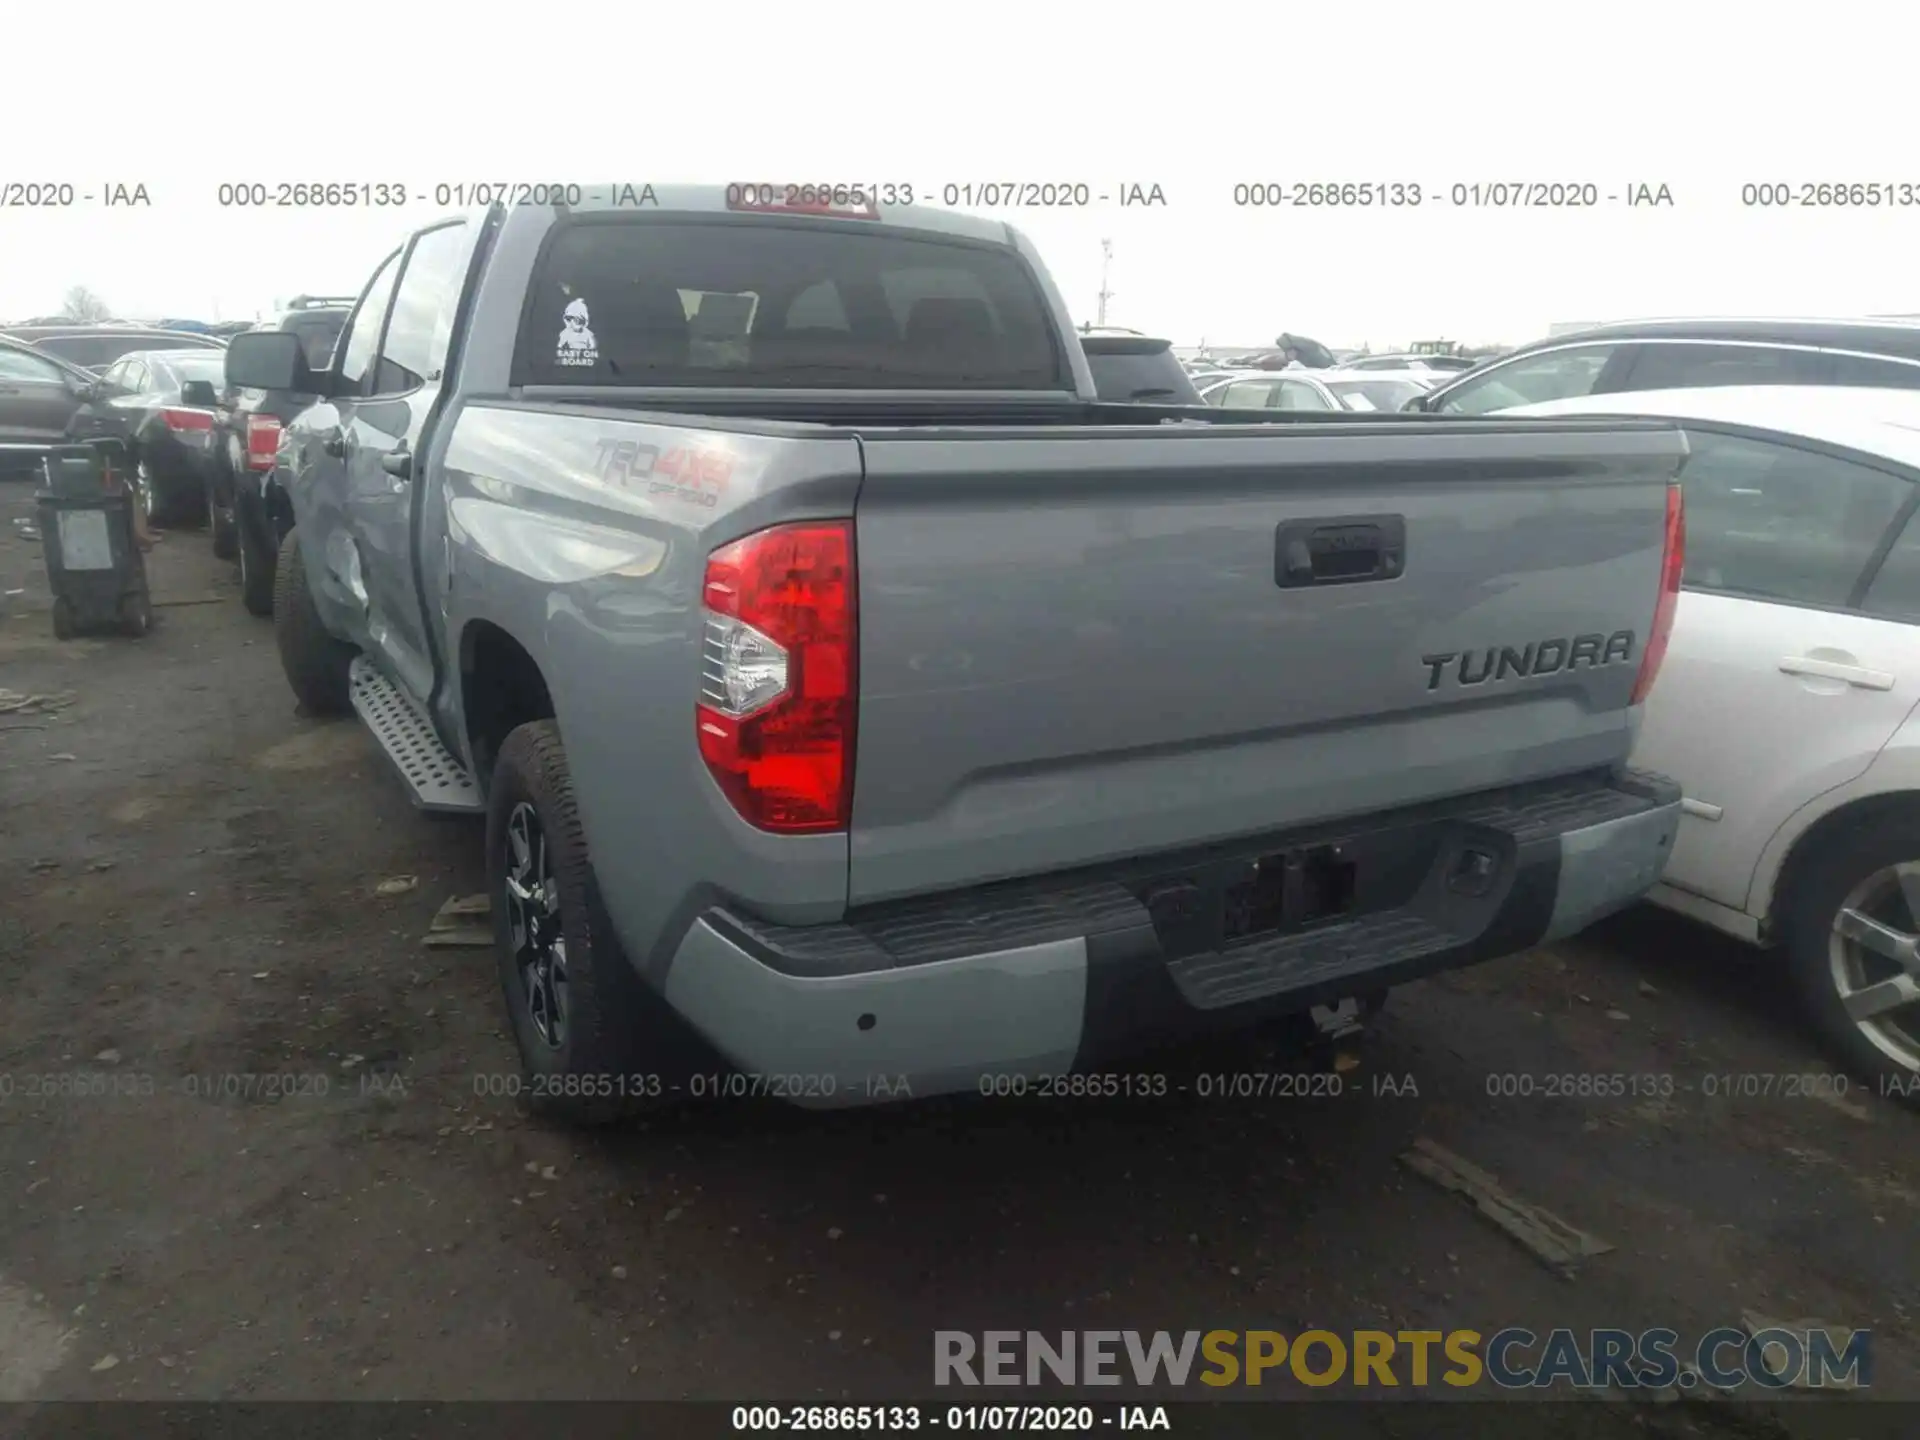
point(693, 477)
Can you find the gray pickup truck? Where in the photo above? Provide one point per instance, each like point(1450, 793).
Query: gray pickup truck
point(849, 692)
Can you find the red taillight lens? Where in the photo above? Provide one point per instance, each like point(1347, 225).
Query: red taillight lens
point(778, 695)
point(178, 420)
point(1672, 565)
point(263, 439)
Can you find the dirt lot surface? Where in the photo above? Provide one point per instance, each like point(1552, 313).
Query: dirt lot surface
point(190, 876)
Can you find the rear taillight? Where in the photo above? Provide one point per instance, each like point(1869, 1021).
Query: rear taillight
point(263, 440)
point(1672, 564)
point(186, 421)
point(778, 694)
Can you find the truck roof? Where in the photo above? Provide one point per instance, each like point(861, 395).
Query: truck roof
point(725, 199)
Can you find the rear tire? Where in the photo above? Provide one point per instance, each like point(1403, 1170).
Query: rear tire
point(226, 539)
point(136, 614)
point(1851, 872)
point(316, 664)
point(617, 1049)
point(257, 563)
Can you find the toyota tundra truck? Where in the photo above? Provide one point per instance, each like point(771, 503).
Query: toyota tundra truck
point(847, 690)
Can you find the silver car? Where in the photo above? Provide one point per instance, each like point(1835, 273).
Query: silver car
point(1315, 390)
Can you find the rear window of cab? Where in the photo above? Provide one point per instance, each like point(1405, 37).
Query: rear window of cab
point(781, 304)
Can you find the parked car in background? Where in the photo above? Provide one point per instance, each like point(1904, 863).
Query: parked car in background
point(39, 395)
point(160, 404)
point(317, 320)
point(247, 511)
point(1311, 390)
point(1434, 364)
point(1136, 369)
point(1800, 617)
point(95, 347)
point(1673, 354)
point(1388, 390)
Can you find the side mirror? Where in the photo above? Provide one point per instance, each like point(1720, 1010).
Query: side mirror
point(1416, 404)
point(84, 388)
point(200, 394)
point(269, 360)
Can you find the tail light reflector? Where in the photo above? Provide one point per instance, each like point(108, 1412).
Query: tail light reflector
point(263, 439)
point(1673, 564)
point(778, 694)
point(189, 421)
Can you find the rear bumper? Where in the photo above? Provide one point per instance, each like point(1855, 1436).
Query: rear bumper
point(1076, 973)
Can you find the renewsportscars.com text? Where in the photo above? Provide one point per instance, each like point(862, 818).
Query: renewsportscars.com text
point(1508, 1359)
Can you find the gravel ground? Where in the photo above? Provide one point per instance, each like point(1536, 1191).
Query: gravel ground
point(191, 871)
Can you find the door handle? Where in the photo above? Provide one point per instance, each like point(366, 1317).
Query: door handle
point(1857, 676)
point(1339, 550)
point(335, 444)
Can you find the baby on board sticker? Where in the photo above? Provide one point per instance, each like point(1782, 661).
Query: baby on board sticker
point(576, 337)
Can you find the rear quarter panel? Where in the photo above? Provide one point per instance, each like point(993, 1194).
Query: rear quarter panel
point(551, 527)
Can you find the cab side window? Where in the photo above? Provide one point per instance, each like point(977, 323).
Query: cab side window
point(1681, 367)
point(1296, 395)
point(1895, 591)
point(1246, 395)
point(1777, 522)
point(420, 328)
point(20, 365)
point(1880, 374)
point(1530, 380)
point(363, 331)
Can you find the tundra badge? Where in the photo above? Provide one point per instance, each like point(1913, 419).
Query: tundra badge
point(1541, 657)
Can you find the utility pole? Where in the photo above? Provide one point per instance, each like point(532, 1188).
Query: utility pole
point(1106, 268)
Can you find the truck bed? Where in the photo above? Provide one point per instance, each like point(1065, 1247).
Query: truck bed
point(867, 410)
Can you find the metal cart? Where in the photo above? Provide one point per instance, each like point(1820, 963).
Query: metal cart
point(95, 567)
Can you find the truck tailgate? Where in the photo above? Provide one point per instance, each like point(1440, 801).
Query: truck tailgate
point(1078, 646)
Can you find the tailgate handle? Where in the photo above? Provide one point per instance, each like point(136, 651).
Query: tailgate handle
point(1340, 550)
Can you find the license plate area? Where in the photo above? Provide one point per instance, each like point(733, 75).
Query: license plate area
point(1289, 890)
point(1247, 895)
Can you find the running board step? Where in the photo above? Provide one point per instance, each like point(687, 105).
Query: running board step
point(437, 780)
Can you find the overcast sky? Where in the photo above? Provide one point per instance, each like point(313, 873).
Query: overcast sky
point(1700, 97)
